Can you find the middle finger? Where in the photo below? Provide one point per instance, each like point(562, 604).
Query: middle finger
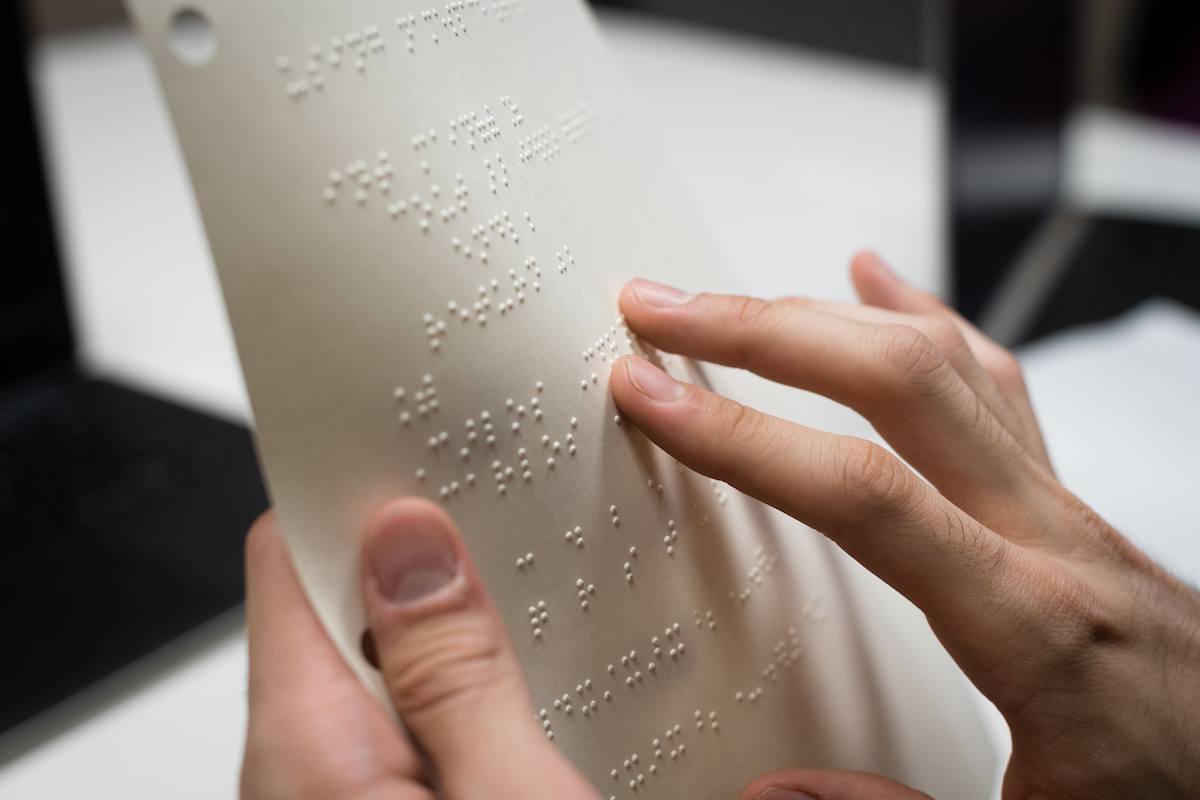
point(893, 375)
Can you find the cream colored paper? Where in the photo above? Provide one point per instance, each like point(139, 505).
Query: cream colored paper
point(422, 218)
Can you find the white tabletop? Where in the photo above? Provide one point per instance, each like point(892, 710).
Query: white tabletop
point(796, 160)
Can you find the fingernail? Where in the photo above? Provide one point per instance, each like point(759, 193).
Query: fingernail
point(779, 793)
point(411, 557)
point(652, 381)
point(658, 295)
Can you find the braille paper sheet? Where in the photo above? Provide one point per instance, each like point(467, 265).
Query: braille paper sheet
point(422, 218)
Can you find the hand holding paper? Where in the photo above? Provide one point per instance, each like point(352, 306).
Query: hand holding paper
point(1089, 649)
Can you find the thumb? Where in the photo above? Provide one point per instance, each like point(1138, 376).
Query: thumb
point(448, 662)
point(826, 784)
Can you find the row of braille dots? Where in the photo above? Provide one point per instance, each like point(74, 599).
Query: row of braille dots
point(503, 9)
point(453, 21)
point(491, 168)
point(633, 762)
point(765, 560)
point(500, 224)
point(434, 331)
point(562, 265)
point(408, 25)
point(361, 178)
point(577, 122)
point(422, 211)
point(708, 617)
point(539, 615)
point(428, 403)
point(516, 118)
point(719, 492)
point(486, 128)
point(815, 610)
point(428, 394)
point(505, 475)
point(542, 142)
point(567, 707)
point(783, 656)
point(484, 303)
point(671, 633)
point(630, 661)
point(584, 592)
point(361, 44)
point(609, 340)
point(356, 44)
point(672, 535)
point(426, 399)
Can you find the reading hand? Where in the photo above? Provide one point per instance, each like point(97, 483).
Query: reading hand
point(1089, 649)
point(315, 732)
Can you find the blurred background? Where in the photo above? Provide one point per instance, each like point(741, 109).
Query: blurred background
point(1037, 162)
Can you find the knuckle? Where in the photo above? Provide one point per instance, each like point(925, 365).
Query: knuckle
point(945, 334)
point(442, 661)
point(875, 480)
point(1084, 618)
point(1004, 367)
point(912, 358)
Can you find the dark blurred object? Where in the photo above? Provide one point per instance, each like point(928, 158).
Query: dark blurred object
point(1024, 262)
point(1164, 69)
point(883, 30)
point(48, 17)
point(1008, 75)
point(121, 516)
point(121, 525)
point(33, 312)
point(1119, 264)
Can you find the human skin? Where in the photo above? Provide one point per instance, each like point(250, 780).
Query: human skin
point(1089, 649)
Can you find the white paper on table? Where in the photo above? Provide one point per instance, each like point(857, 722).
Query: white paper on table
point(446, 202)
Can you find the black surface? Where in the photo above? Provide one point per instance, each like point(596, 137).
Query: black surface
point(121, 516)
point(121, 527)
point(1121, 263)
point(34, 329)
point(1163, 73)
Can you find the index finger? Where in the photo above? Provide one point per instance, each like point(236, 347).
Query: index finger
point(853, 491)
